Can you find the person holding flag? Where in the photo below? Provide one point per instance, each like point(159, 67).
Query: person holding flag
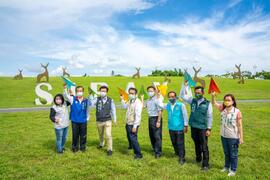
point(231, 131)
point(105, 112)
point(133, 119)
point(154, 120)
point(200, 121)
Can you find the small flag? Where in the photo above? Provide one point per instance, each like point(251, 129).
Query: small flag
point(91, 91)
point(213, 87)
point(143, 92)
point(189, 79)
point(68, 82)
point(163, 89)
point(123, 93)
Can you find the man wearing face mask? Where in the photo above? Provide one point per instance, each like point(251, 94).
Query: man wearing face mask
point(133, 119)
point(200, 121)
point(177, 124)
point(79, 115)
point(154, 120)
point(105, 111)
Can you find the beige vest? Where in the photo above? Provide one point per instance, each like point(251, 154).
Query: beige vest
point(130, 115)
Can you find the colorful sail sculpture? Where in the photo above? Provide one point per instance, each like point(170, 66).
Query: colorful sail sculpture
point(189, 79)
point(213, 87)
point(143, 93)
point(123, 93)
point(68, 82)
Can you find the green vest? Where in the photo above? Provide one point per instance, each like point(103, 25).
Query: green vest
point(198, 115)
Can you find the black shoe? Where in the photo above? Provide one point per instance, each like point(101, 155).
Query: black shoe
point(82, 150)
point(182, 161)
point(109, 153)
point(138, 157)
point(60, 152)
point(157, 156)
point(129, 147)
point(99, 147)
point(75, 150)
point(205, 168)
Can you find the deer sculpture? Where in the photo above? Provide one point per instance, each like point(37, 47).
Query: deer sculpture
point(137, 74)
point(239, 74)
point(18, 76)
point(65, 73)
point(196, 78)
point(44, 74)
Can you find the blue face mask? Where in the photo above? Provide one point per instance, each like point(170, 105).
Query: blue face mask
point(172, 100)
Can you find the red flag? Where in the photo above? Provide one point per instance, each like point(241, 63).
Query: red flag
point(213, 87)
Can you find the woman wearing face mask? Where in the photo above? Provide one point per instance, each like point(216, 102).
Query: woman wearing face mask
point(231, 131)
point(60, 117)
point(154, 120)
point(105, 112)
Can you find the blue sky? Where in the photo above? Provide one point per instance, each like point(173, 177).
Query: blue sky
point(96, 37)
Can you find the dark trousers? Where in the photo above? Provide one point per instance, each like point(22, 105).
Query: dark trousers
point(155, 134)
point(133, 139)
point(230, 148)
point(201, 145)
point(178, 142)
point(79, 134)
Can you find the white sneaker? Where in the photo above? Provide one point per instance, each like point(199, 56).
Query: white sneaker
point(232, 173)
point(224, 169)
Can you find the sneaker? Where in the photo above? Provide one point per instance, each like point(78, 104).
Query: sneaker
point(109, 153)
point(224, 169)
point(75, 150)
point(157, 156)
point(232, 173)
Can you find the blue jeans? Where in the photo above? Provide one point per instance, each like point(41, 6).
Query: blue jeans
point(133, 139)
point(230, 148)
point(61, 137)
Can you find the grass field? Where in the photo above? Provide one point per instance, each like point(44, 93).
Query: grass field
point(27, 139)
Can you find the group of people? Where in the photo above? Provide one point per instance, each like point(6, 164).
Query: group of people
point(200, 122)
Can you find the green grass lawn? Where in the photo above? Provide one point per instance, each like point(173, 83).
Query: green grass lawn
point(21, 93)
point(27, 149)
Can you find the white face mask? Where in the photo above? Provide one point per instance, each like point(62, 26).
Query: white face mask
point(151, 93)
point(79, 94)
point(131, 96)
point(103, 94)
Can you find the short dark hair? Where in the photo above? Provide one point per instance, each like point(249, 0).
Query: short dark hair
point(134, 89)
point(172, 92)
point(233, 98)
point(104, 87)
point(77, 87)
point(149, 87)
point(199, 87)
point(61, 97)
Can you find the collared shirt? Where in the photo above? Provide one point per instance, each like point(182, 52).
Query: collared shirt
point(188, 99)
point(152, 106)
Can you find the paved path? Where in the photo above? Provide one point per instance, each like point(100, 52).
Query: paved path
point(29, 109)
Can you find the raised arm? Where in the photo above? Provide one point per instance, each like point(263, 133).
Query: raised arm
point(68, 96)
point(214, 102)
point(184, 95)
